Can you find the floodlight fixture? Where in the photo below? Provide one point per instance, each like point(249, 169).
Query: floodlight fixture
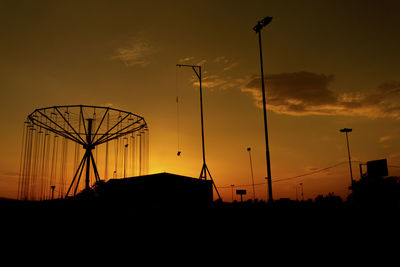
point(262, 23)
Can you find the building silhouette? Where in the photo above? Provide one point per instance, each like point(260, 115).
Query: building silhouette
point(157, 190)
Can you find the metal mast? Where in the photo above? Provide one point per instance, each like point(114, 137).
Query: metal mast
point(204, 169)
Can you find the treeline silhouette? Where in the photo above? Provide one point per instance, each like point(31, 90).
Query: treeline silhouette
point(373, 205)
point(368, 192)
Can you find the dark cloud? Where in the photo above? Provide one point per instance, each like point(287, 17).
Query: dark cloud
point(390, 87)
point(297, 93)
point(307, 93)
point(310, 88)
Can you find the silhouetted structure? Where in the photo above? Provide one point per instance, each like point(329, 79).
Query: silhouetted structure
point(204, 169)
point(54, 137)
point(157, 190)
point(377, 168)
point(375, 189)
point(376, 192)
point(328, 201)
point(241, 192)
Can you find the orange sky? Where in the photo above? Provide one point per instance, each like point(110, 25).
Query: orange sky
point(328, 65)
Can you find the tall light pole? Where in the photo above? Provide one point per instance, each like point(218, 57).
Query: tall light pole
point(260, 25)
point(251, 170)
point(204, 169)
point(347, 130)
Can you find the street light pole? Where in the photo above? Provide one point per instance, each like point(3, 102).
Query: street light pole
point(252, 176)
point(232, 185)
point(261, 24)
point(302, 191)
point(125, 150)
point(347, 130)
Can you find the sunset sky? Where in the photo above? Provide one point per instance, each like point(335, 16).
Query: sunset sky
point(327, 64)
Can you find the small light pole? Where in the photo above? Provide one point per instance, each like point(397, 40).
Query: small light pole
point(252, 176)
point(302, 191)
point(260, 25)
point(125, 150)
point(232, 185)
point(266, 188)
point(52, 187)
point(347, 130)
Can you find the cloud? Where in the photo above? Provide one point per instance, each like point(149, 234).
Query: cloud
point(231, 66)
point(227, 63)
point(185, 59)
point(215, 73)
point(219, 82)
point(201, 62)
point(307, 93)
point(135, 53)
point(385, 138)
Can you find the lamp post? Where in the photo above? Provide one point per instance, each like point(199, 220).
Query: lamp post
point(125, 150)
point(346, 131)
point(252, 176)
point(260, 25)
point(52, 187)
point(302, 191)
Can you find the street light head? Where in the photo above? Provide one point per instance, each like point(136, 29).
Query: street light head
point(266, 20)
point(262, 23)
point(345, 130)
